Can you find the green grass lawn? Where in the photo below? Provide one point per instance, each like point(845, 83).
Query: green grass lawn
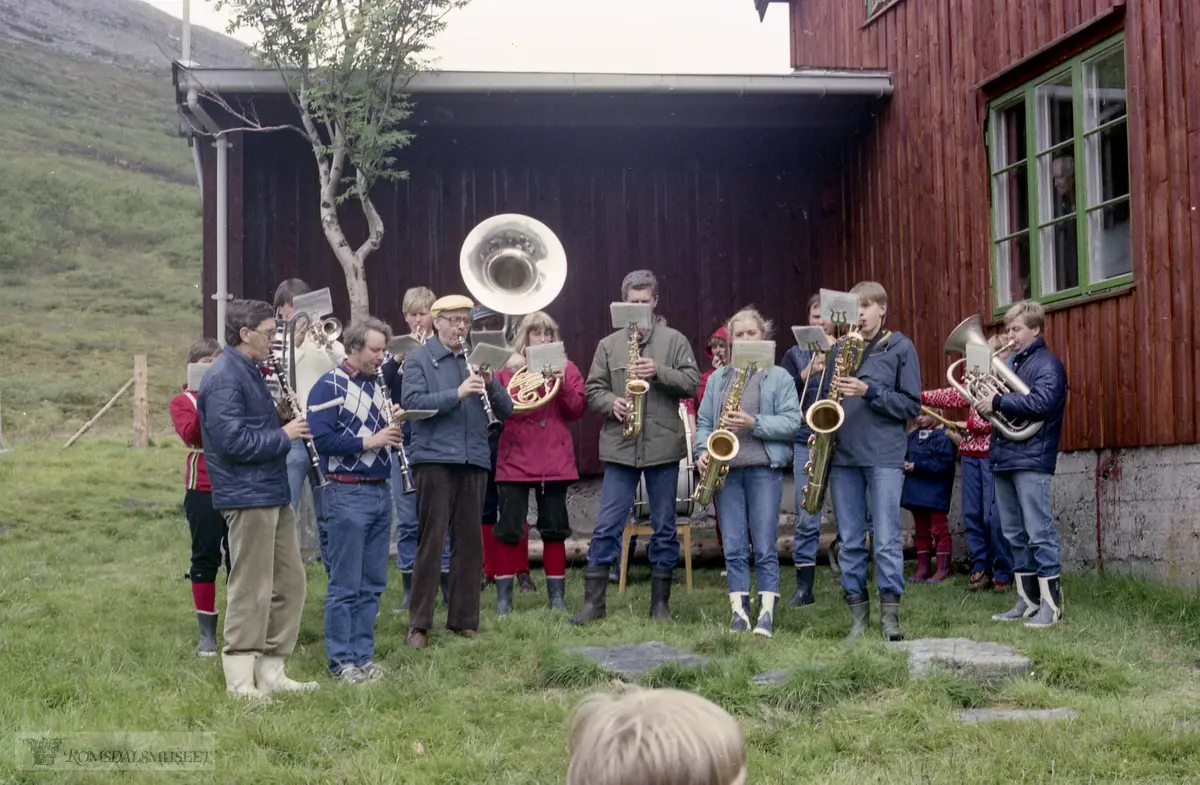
point(97, 634)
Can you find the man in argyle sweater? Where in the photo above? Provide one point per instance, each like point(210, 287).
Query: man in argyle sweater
point(349, 428)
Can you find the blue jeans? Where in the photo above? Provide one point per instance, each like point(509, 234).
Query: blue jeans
point(748, 509)
point(620, 486)
point(990, 552)
point(1024, 501)
point(808, 525)
point(358, 519)
point(297, 470)
point(406, 525)
point(859, 491)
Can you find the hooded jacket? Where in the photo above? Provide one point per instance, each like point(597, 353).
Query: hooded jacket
point(536, 446)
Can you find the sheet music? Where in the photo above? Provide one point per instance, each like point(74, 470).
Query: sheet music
point(549, 355)
point(315, 304)
point(979, 358)
point(195, 372)
point(625, 314)
point(485, 354)
point(841, 308)
point(403, 345)
point(490, 337)
point(412, 415)
point(761, 354)
point(811, 338)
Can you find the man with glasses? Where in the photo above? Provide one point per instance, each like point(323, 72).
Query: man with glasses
point(245, 451)
point(452, 459)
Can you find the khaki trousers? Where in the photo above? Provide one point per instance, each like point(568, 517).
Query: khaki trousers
point(266, 582)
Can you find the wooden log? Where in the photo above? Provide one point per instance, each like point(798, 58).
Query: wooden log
point(99, 414)
point(705, 550)
point(141, 404)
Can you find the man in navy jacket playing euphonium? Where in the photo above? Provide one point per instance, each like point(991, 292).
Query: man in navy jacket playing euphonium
point(1024, 469)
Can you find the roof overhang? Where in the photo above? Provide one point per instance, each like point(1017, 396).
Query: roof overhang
point(761, 5)
point(508, 98)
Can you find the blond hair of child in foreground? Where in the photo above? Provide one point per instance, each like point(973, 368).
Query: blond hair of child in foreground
point(654, 737)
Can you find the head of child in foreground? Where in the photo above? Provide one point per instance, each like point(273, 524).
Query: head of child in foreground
point(638, 736)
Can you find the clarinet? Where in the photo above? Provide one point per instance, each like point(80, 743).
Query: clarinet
point(400, 453)
point(493, 424)
point(293, 403)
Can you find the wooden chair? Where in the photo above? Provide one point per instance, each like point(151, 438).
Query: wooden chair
point(683, 526)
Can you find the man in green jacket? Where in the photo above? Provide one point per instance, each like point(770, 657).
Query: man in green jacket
point(665, 361)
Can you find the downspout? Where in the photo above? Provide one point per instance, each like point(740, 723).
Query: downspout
point(222, 293)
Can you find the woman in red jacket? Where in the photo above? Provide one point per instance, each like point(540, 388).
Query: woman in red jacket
point(536, 452)
point(210, 533)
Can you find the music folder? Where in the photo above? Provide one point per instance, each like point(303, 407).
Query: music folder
point(486, 355)
point(490, 337)
point(811, 338)
point(549, 356)
point(412, 415)
point(195, 372)
point(315, 304)
point(625, 314)
point(760, 354)
point(841, 308)
point(979, 358)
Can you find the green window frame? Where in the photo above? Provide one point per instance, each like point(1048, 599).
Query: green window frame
point(1059, 182)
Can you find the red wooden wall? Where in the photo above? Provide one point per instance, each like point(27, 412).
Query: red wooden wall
point(912, 201)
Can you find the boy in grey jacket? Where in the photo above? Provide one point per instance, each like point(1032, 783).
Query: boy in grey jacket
point(668, 364)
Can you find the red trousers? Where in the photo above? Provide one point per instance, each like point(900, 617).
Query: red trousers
point(931, 522)
point(498, 558)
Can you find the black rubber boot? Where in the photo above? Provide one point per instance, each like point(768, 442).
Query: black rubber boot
point(556, 589)
point(208, 634)
point(504, 596)
point(444, 581)
point(525, 582)
point(406, 580)
point(660, 594)
point(804, 586)
point(860, 615)
point(889, 617)
point(595, 584)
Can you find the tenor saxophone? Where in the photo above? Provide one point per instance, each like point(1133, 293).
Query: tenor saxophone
point(722, 444)
point(825, 417)
point(635, 390)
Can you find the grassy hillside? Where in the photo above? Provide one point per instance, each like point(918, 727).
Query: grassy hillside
point(100, 240)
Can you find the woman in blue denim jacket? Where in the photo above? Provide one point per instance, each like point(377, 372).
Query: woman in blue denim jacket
point(748, 502)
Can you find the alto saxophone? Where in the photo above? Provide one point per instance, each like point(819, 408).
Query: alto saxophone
point(825, 417)
point(722, 444)
point(635, 390)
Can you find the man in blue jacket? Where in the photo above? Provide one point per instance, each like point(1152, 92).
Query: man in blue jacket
point(245, 450)
point(1024, 469)
point(452, 459)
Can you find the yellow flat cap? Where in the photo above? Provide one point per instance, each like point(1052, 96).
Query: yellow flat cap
point(451, 302)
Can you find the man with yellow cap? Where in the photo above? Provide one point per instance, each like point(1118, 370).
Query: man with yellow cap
point(452, 459)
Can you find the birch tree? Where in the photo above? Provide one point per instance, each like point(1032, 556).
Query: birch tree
point(346, 64)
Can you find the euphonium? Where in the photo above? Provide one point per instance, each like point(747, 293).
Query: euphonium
point(635, 390)
point(825, 417)
point(985, 386)
point(722, 444)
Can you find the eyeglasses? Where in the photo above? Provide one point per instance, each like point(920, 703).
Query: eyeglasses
point(268, 334)
point(456, 321)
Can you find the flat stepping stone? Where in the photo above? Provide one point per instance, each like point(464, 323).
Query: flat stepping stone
point(974, 716)
point(772, 678)
point(629, 661)
point(980, 662)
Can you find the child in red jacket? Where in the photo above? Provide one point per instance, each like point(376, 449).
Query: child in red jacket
point(209, 531)
point(536, 452)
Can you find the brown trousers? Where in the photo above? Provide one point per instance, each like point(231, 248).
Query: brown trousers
point(450, 498)
point(266, 582)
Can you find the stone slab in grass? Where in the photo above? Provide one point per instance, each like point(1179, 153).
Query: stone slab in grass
point(629, 661)
point(772, 678)
point(974, 716)
point(979, 661)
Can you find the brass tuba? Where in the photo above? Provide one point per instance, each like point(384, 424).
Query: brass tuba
point(975, 387)
point(515, 265)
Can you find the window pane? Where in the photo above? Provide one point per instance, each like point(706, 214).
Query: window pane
point(1110, 251)
point(1009, 142)
point(1104, 88)
point(1108, 164)
point(1056, 185)
point(1059, 257)
point(1055, 112)
point(1012, 270)
point(1010, 197)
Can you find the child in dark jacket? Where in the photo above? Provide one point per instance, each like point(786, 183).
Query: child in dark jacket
point(928, 485)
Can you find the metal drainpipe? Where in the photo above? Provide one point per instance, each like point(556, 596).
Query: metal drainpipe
point(222, 293)
point(187, 32)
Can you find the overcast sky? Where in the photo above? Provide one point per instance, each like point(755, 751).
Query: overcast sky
point(624, 36)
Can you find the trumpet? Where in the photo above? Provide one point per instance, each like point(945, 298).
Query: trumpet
point(323, 333)
point(976, 387)
point(952, 425)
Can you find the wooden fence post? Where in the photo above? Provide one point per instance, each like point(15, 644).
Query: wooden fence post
point(141, 405)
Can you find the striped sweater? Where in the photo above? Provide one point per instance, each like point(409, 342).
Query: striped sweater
point(186, 419)
point(978, 440)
